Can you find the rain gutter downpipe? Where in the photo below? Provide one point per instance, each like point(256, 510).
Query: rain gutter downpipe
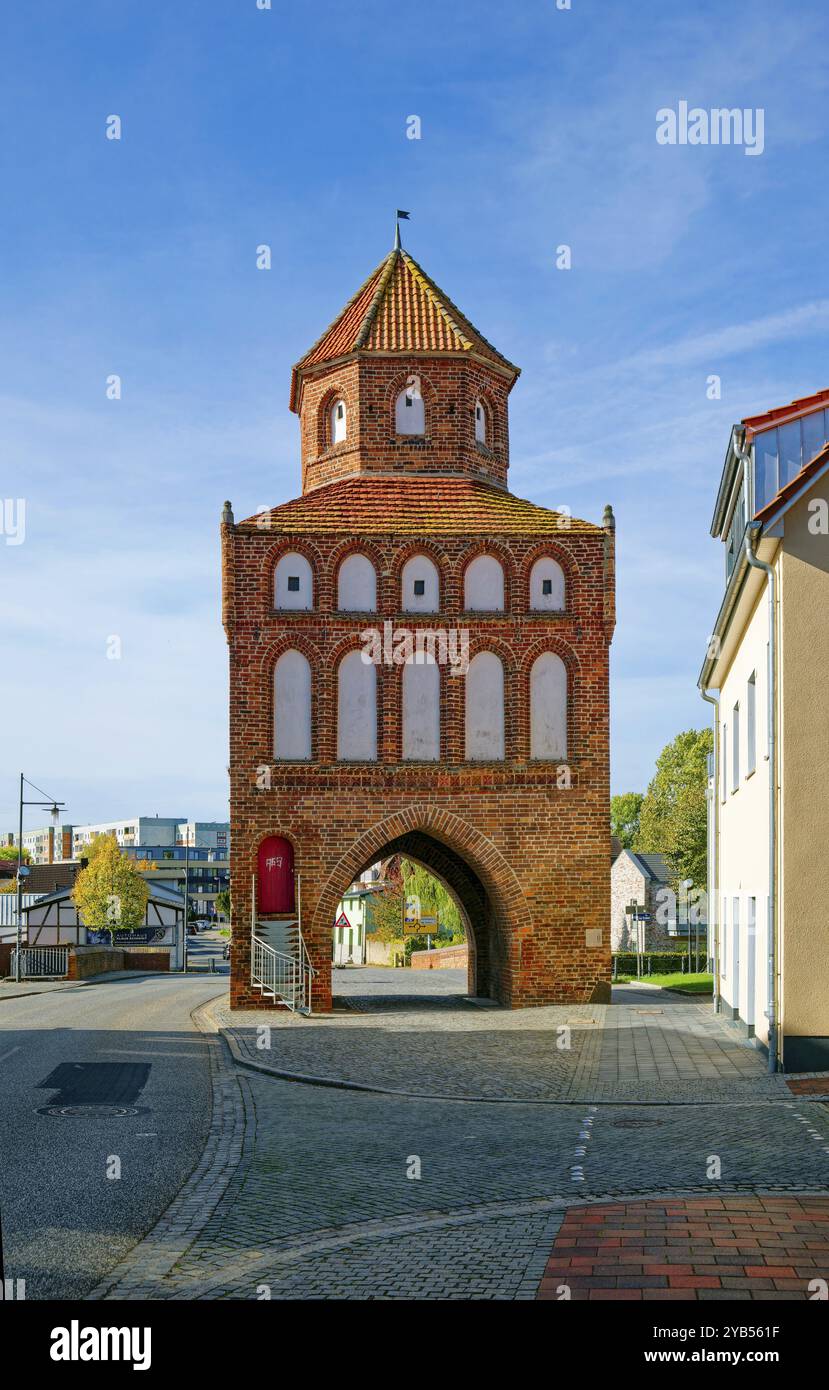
point(712, 886)
point(753, 531)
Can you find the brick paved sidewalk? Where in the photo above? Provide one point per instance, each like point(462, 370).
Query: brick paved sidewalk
point(752, 1247)
point(652, 1047)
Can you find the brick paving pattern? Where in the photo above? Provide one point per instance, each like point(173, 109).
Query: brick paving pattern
point(648, 1046)
point(720, 1248)
point(305, 1191)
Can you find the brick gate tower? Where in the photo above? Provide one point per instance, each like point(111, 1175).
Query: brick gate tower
point(418, 665)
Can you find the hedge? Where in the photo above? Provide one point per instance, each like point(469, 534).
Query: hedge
point(660, 962)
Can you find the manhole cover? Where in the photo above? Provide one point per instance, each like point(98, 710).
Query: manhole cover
point(108, 1112)
point(635, 1122)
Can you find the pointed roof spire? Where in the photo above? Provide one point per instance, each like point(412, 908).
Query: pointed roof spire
point(398, 245)
point(399, 309)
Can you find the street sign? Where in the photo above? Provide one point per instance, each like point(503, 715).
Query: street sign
point(428, 921)
point(342, 921)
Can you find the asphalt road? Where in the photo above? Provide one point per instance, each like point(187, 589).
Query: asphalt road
point(121, 1045)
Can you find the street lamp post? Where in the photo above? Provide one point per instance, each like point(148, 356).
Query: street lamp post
point(201, 844)
point(55, 808)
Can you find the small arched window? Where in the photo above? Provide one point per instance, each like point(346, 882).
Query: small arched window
point(547, 585)
point(356, 709)
point(421, 708)
point(357, 585)
point(485, 708)
point(339, 422)
point(292, 707)
point(293, 582)
point(410, 412)
point(420, 586)
point(483, 585)
point(480, 422)
point(548, 707)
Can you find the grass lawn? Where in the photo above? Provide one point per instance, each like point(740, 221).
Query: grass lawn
point(686, 984)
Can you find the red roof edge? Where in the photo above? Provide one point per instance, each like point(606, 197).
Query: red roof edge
point(802, 406)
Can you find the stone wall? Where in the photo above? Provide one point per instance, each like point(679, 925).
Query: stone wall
point(447, 958)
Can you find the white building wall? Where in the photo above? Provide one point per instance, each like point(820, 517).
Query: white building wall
point(293, 567)
point(547, 569)
point(357, 585)
point(485, 708)
point(356, 709)
point(292, 706)
point(484, 585)
point(421, 710)
point(744, 834)
point(420, 569)
point(548, 707)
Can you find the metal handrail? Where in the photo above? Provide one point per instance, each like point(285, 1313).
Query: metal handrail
point(39, 961)
point(286, 978)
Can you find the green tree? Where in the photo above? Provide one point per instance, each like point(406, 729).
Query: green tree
point(223, 902)
point(110, 893)
point(10, 852)
point(386, 912)
point(624, 817)
point(435, 900)
point(674, 817)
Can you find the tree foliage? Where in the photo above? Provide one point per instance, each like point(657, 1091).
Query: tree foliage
point(110, 893)
point(674, 816)
point(10, 852)
point(406, 879)
point(624, 817)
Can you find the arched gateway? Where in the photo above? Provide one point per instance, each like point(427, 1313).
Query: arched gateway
point(336, 772)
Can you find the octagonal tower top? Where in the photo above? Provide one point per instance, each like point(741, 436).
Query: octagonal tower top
point(402, 382)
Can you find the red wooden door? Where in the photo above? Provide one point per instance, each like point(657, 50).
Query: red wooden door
point(275, 876)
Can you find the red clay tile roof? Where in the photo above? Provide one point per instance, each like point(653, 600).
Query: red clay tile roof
point(398, 309)
point(418, 506)
point(755, 423)
point(807, 472)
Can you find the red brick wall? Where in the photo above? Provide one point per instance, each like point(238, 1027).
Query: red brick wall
point(370, 387)
point(529, 860)
point(86, 961)
point(447, 958)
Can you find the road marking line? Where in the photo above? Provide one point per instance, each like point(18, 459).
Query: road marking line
point(10, 1054)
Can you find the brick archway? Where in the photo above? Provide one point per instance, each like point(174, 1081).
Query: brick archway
point(478, 876)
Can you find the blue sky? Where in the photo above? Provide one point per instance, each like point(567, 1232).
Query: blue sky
point(288, 127)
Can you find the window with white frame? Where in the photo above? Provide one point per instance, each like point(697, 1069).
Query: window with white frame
point(751, 724)
point(420, 584)
point(421, 708)
point(548, 707)
point(485, 708)
point(724, 762)
point(735, 748)
point(357, 585)
point(410, 412)
point(547, 585)
point(293, 582)
point(483, 585)
point(339, 422)
point(292, 707)
point(356, 709)
point(480, 422)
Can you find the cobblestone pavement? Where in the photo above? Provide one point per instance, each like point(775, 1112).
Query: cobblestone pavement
point(713, 1248)
point(648, 1046)
point(318, 1192)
